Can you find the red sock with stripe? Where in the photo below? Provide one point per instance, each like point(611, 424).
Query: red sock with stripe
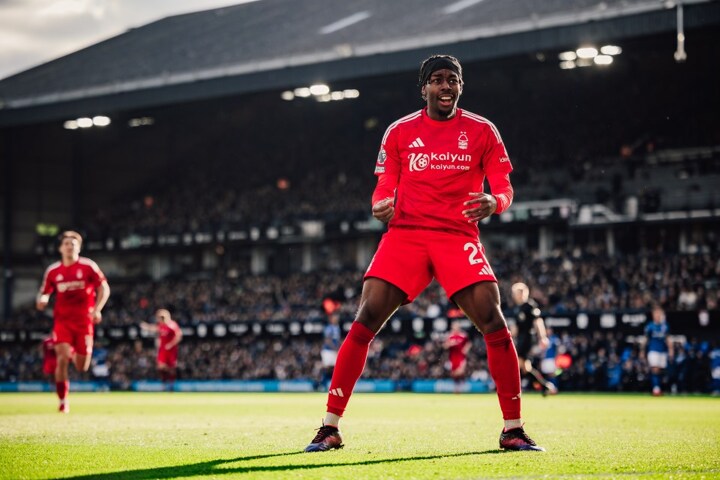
point(348, 367)
point(505, 371)
point(62, 389)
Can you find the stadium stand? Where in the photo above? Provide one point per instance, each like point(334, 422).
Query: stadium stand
point(616, 182)
point(600, 362)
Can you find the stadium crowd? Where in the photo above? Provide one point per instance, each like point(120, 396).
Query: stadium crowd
point(602, 361)
point(568, 280)
point(217, 200)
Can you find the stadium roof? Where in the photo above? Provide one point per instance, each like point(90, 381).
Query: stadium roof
point(285, 43)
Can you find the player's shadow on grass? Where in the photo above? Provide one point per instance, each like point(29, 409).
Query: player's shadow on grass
point(214, 467)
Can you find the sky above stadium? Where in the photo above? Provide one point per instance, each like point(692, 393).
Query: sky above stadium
point(33, 32)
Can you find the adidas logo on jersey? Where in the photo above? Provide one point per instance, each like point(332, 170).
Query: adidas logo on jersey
point(417, 143)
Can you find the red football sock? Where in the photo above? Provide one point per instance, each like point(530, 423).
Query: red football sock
point(348, 367)
point(505, 371)
point(62, 389)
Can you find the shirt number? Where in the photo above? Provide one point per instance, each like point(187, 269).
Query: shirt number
point(475, 256)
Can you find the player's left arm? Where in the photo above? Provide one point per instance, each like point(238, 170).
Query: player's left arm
point(102, 298)
point(670, 346)
point(102, 288)
point(176, 338)
point(497, 167)
point(541, 332)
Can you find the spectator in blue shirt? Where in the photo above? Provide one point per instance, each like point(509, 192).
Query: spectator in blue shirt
point(659, 347)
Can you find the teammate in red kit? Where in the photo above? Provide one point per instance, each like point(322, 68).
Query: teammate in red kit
point(458, 345)
point(169, 336)
point(49, 357)
point(81, 292)
point(431, 168)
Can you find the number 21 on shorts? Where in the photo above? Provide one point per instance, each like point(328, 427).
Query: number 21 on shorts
point(476, 255)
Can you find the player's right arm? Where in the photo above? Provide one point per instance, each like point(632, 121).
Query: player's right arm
point(148, 327)
point(46, 289)
point(387, 169)
point(42, 301)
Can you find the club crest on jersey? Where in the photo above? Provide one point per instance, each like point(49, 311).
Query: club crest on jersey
point(463, 141)
point(79, 274)
point(418, 161)
point(382, 156)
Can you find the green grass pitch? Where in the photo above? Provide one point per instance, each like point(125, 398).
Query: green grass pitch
point(139, 436)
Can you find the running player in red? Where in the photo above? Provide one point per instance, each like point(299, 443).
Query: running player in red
point(169, 336)
point(431, 168)
point(49, 357)
point(81, 292)
point(458, 345)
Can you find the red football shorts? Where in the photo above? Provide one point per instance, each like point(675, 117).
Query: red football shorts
point(49, 365)
point(457, 363)
point(410, 258)
point(80, 337)
point(167, 357)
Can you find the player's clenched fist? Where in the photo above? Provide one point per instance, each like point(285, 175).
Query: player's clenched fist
point(481, 205)
point(384, 209)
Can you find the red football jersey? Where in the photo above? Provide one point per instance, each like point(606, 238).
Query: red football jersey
point(74, 287)
point(430, 167)
point(167, 332)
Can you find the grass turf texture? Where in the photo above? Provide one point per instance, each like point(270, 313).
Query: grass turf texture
point(223, 435)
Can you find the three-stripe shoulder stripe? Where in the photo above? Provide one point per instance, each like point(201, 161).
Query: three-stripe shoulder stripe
point(406, 118)
point(90, 263)
point(52, 266)
point(479, 119)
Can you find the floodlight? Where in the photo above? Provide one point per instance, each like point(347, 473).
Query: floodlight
point(587, 52)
